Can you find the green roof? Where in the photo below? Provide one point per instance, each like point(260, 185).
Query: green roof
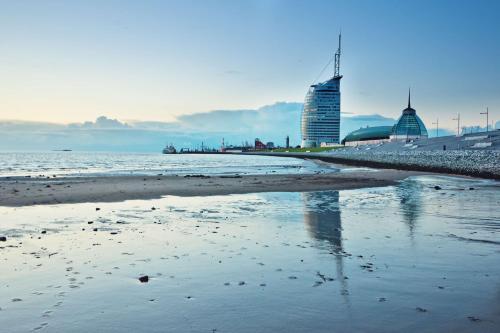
point(369, 133)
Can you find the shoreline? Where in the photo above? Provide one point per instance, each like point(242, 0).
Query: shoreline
point(18, 192)
point(383, 163)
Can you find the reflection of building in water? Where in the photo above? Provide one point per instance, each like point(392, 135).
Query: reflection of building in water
point(410, 201)
point(323, 222)
point(322, 217)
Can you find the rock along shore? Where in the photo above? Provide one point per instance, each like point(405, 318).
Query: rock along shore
point(475, 163)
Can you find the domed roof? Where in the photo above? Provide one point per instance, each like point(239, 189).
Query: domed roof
point(369, 133)
point(409, 124)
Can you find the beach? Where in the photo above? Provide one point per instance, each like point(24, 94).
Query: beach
point(22, 191)
point(288, 245)
point(405, 257)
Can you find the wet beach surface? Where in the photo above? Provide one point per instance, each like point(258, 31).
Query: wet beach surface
point(419, 256)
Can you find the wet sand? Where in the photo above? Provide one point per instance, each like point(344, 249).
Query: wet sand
point(404, 258)
point(37, 191)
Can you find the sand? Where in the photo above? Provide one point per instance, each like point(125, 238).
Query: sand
point(405, 258)
point(37, 191)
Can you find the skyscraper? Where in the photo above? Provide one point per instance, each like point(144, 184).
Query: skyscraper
point(320, 122)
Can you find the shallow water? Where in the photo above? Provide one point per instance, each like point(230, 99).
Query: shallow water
point(403, 258)
point(99, 163)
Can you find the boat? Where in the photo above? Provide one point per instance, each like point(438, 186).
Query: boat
point(170, 149)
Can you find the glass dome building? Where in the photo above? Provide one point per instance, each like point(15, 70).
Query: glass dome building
point(409, 126)
point(368, 135)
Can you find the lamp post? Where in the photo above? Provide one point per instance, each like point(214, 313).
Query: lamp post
point(487, 113)
point(458, 124)
point(437, 126)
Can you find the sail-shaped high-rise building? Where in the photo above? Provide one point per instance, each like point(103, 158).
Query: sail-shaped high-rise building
point(320, 121)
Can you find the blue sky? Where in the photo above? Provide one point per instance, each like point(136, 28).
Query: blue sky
point(71, 61)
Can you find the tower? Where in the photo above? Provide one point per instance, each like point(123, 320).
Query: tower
point(320, 121)
point(337, 58)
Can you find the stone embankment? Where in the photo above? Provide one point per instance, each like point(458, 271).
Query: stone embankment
point(478, 163)
point(475, 163)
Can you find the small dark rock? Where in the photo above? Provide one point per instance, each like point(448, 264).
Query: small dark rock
point(95, 229)
point(144, 279)
point(97, 208)
point(90, 222)
point(44, 231)
point(472, 318)
point(437, 187)
point(419, 309)
point(471, 188)
point(3, 239)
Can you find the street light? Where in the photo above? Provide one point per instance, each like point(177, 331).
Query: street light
point(437, 126)
point(458, 124)
point(487, 113)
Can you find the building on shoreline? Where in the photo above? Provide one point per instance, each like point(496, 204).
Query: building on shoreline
point(368, 136)
point(320, 121)
point(408, 127)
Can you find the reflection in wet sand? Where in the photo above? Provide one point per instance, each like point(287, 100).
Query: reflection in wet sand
point(323, 222)
point(410, 204)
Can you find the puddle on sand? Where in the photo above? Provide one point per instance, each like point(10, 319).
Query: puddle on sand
point(404, 258)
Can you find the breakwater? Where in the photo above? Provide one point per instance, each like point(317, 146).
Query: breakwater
point(475, 163)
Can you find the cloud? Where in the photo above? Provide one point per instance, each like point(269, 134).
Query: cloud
point(232, 72)
point(101, 122)
point(270, 123)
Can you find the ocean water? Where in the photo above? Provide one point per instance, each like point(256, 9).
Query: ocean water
point(98, 163)
point(405, 258)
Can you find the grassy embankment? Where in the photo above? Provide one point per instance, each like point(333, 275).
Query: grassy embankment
point(303, 150)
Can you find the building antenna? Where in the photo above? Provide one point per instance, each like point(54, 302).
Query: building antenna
point(337, 56)
point(409, 99)
point(337, 63)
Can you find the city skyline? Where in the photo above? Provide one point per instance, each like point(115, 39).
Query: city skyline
point(72, 62)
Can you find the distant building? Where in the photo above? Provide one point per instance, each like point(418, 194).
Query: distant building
point(409, 125)
point(320, 120)
point(368, 136)
point(259, 144)
point(287, 143)
point(270, 145)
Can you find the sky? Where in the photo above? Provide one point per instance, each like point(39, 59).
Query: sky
point(73, 61)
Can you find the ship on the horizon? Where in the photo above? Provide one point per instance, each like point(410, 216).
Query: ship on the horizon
point(170, 149)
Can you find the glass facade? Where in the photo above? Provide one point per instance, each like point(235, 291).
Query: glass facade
point(320, 120)
point(409, 126)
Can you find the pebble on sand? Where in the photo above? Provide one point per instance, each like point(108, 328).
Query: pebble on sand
point(144, 278)
point(3, 239)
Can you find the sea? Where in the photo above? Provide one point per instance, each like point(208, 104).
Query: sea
point(118, 164)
